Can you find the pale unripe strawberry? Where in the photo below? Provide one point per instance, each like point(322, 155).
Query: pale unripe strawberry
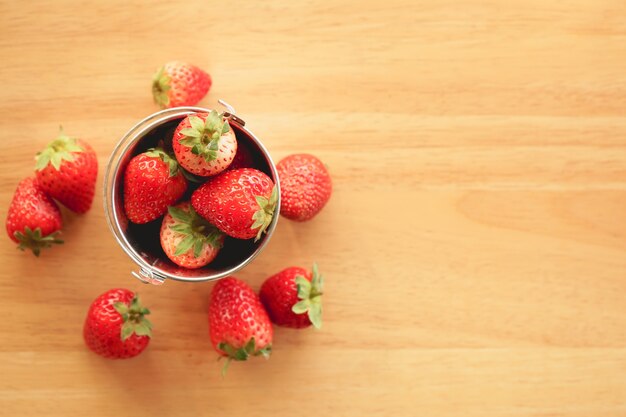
point(204, 143)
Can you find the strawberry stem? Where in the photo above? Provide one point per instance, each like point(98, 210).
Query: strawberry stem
point(59, 150)
point(225, 367)
point(310, 295)
point(263, 216)
point(197, 232)
point(203, 136)
point(242, 353)
point(133, 317)
point(160, 87)
point(33, 240)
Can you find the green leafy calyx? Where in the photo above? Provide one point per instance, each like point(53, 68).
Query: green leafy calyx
point(165, 157)
point(203, 137)
point(263, 216)
point(310, 296)
point(134, 318)
point(160, 87)
point(33, 240)
point(196, 230)
point(242, 353)
point(59, 150)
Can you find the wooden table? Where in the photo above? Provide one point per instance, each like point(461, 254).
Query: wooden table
point(473, 246)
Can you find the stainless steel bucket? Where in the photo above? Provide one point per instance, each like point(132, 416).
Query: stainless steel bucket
point(138, 241)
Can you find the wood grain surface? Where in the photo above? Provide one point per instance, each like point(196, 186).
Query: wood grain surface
point(474, 246)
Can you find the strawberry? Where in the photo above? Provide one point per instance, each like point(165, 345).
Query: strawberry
point(238, 324)
point(116, 326)
point(188, 239)
point(66, 170)
point(305, 186)
point(179, 84)
point(240, 202)
point(33, 219)
point(204, 143)
point(152, 182)
point(291, 293)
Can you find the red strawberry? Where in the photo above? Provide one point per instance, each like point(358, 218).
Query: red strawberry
point(67, 169)
point(305, 186)
point(240, 203)
point(188, 239)
point(204, 143)
point(238, 324)
point(179, 84)
point(291, 293)
point(33, 219)
point(152, 182)
point(116, 326)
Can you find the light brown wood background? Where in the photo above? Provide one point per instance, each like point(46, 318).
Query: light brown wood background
point(474, 247)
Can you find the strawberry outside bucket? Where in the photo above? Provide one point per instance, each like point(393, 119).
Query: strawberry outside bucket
point(141, 242)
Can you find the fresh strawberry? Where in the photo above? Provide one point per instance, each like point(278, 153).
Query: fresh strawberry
point(33, 219)
point(179, 84)
point(240, 203)
point(66, 170)
point(152, 182)
point(116, 326)
point(291, 293)
point(188, 239)
point(238, 324)
point(305, 186)
point(204, 143)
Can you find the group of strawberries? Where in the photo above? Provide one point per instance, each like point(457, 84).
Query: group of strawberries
point(65, 170)
point(234, 199)
point(240, 321)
